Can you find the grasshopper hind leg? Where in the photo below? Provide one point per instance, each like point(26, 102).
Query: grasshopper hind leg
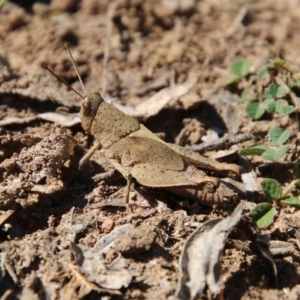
point(128, 176)
point(127, 192)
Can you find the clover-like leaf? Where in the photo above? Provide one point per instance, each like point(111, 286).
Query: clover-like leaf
point(248, 95)
point(231, 79)
point(288, 109)
point(280, 104)
point(263, 214)
point(254, 110)
point(277, 63)
point(257, 150)
point(291, 201)
point(274, 154)
point(262, 74)
point(276, 91)
point(278, 136)
point(240, 67)
point(271, 188)
point(270, 105)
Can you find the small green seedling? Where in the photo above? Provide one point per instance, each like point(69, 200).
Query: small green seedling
point(277, 137)
point(273, 102)
point(277, 63)
point(240, 68)
point(265, 94)
point(264, 213)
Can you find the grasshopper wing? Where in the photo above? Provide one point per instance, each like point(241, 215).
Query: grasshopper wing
point(153, 175)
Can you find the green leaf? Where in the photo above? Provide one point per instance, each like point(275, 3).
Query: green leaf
point(280, 92)
point(288, 109)
point(280, 103)
point(270, 105)
point(271, 188)
point(240, 67)
point(278, 136)
point(276, 63)
point(262, 74)
point(276, 91)
point(257, 150)
point(267, 95)
point(292, 201)
point(274, 154)
point(254, 110)
point(248, 95)
point(263, 214)
point(231, 79)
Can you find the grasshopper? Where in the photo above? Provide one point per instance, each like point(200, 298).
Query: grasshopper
point(137, 153)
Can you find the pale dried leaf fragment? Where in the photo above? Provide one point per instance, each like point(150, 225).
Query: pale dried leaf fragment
point(281, 247)
point(15, 120)
point(4, 215)
point(107, 241)
point(64, 119)
point(297, 240)
point(78, 286)
point(92, 265)
point(248, 176)
point(199, 261)
point(157, 102)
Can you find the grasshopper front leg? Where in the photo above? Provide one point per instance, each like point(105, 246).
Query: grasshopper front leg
point(88, 155)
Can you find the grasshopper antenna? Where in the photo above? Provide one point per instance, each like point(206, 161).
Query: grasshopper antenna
point(75, 67)
point(62, 80)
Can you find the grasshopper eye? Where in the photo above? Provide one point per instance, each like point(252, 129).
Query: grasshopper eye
point(86, 104)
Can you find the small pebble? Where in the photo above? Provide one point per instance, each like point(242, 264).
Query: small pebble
point(108, 225)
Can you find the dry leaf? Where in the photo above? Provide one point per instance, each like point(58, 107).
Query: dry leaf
point(248, 176)
point(157, 102)
point(199, 262)
point(92, 264)
point(281, 247)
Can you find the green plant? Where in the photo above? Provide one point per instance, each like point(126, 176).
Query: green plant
point(264, 213)
point(240, 68)
point(270, 89)
point(273, 102)
point(277, 137)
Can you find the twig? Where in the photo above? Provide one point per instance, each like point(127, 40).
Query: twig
point(237, 21)
point(222, 143)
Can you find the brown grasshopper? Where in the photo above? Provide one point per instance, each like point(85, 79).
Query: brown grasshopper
point(138, 153)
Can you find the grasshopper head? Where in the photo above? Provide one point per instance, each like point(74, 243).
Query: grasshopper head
point(89, 106)
point(90, 101)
